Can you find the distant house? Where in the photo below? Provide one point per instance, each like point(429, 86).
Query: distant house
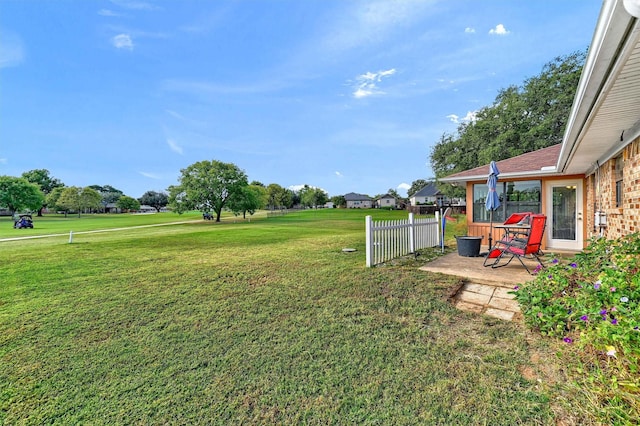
point(358, 201)
point(429, 194)
point(112, 208)
point(387, 200)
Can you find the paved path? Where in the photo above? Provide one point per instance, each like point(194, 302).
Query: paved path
point(30, 237)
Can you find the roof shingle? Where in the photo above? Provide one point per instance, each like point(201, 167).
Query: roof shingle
point(528, 163)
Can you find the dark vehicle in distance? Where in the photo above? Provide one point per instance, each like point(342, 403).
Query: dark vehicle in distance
point(25, 221)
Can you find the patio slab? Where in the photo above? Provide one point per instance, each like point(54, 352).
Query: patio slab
point(470, 269)
point(485, 290)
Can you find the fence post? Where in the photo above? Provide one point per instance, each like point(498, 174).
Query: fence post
point(412, 234)
point(439, 233)
point(369, 240)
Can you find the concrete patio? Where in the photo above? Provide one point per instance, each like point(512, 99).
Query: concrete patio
point(484, 290)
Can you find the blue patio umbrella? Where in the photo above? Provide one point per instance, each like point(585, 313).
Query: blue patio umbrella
point(493, 201)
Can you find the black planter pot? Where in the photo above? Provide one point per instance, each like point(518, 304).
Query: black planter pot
point(468, 246)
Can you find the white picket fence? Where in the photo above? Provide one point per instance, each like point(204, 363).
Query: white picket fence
point(389, 239)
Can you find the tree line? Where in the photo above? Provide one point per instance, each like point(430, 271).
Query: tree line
point(36, 190)
point(212, 186)
point(208, 186)
point(521, 119)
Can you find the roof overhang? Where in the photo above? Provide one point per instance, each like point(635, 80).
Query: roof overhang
point(537, 174)
point(605, 115)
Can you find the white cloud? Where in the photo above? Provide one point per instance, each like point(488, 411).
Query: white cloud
point(11, 50)
point(470, 117)
point(368, 22)
point(174, 146)
point(107, 12)
point(134, 5)
point(3, 161)
point(499, 30)
point(297, 188)
point(174, 114)
point(150, 175)
point(469, 30)
point(339, 174)
point(367, 84)
point(362, 93)
point(403, 186)
point(122, 41)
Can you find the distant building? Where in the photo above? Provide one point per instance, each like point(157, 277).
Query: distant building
point(112, 208)
point(429, 194)
point(358, 201)
point(387, 200)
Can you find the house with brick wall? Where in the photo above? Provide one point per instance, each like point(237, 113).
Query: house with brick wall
point(589, 185)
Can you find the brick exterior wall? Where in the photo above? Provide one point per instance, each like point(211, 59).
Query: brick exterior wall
point(601, 194)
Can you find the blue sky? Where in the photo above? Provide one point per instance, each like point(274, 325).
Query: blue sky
point(345, 95)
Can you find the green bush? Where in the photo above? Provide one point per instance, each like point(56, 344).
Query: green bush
point(592, 303)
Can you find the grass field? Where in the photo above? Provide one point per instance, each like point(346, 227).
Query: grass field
point(261, 322)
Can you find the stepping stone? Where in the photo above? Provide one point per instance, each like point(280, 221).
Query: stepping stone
point(479, 288)
point(504, 293)
point(477, 298)
point(469, 307)
point(500, 314)
point(504, 304)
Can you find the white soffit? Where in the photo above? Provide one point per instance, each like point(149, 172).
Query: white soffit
point(616, 105)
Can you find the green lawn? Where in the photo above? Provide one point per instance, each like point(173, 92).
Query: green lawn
point(261, 322)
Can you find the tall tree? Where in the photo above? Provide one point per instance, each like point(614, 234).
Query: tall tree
point(207, 186)
point(157, 200)
point(52, 198)
point(521, 119)
point(278, 197)
point(108, 194)
point(127, 203)
point(17, 194)
point(312, 197)
point(79, 199)
point(339, 201)
point(46, 183)
point(249, 199)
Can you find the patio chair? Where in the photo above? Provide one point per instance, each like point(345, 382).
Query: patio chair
point(519, 218)
point(515, 247)
point(515, 232)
